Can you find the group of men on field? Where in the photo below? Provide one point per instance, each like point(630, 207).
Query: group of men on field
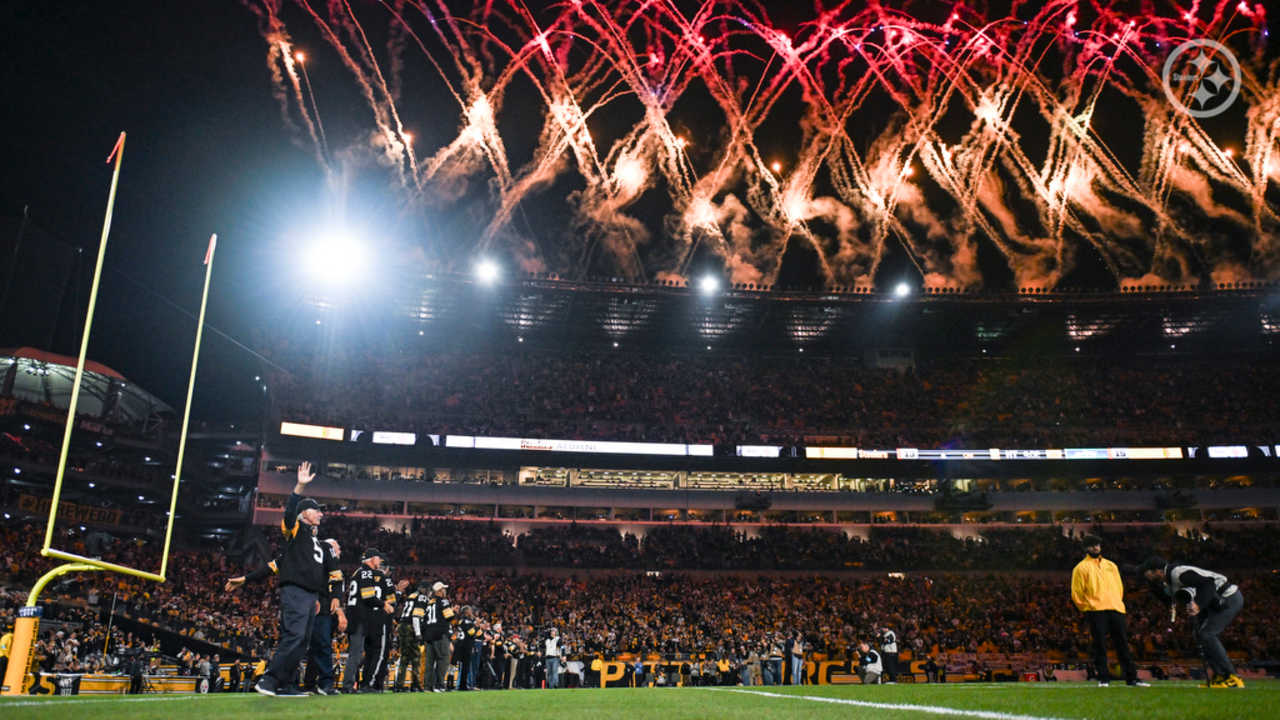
point(313, 596)
point(315, 602)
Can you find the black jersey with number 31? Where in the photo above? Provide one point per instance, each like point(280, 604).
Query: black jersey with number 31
point(437, 613)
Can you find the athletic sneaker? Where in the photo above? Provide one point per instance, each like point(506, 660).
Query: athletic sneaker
point(264, 688)
point(1103, 683)
point(1139, 683)
point(291, 692)
point(326, 691)
point(1234, 681)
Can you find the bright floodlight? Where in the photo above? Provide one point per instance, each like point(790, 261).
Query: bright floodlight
point(336, 258)
point(487, 272)
point(901, 290)
point(708, 285)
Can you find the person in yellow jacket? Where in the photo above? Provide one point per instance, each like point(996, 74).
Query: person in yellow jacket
point(1098, 592)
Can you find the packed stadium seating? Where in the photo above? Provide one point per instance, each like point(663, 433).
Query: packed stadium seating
point(632, 586)
point(718, 399)
point(643, 602)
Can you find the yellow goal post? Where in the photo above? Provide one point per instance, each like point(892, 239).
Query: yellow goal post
point(17, 677)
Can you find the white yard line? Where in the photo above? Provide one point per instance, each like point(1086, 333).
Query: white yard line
point(904, 707)
point(51, 701)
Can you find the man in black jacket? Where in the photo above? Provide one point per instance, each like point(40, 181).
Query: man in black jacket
point(301, 569)
point(1210, 600)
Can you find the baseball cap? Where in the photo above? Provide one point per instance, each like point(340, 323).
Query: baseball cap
point(371, 552)
point(307, 503)
point(438, 586)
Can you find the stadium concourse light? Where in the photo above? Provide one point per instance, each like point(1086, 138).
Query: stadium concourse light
point(487, 272)
point(708, 284)
point(901, 290)
point(336, 257)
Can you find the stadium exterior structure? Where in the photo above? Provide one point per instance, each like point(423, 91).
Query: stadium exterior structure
point(547, 311)
point(1206, 321)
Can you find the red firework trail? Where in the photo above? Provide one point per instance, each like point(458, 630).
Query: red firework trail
point(906, 76)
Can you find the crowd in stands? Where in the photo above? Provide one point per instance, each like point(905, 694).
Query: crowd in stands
point(439, 542)
point(189, 603)
point(648, 604)
point(28, 447)
point(718, 399)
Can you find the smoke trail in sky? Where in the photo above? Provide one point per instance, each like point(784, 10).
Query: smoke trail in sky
point(643, 137)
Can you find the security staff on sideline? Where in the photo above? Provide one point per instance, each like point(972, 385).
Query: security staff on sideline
point(1096, 589)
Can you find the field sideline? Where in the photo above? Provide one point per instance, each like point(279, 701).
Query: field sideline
point(986, 701)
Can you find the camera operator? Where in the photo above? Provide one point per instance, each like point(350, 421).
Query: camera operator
point(551, 658)
point(889, 654)
point(870, 667)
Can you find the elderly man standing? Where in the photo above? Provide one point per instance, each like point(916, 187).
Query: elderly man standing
point(302, 574)
point(436, 621)
point(1098, 592)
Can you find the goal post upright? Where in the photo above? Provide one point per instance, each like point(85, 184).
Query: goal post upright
point(118, 153)
point(26, 625)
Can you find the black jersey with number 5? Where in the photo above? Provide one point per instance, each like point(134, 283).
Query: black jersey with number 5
point(302, 559)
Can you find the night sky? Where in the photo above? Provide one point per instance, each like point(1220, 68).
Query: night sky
point(206, 152)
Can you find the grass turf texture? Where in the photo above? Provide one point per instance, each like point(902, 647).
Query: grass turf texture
point(1006, 701)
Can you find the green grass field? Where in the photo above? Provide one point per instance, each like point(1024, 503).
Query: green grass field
point(1006, 701)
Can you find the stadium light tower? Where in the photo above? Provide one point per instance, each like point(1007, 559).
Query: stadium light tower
point(487, 272)
point(708, 284)
point(901, 290)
